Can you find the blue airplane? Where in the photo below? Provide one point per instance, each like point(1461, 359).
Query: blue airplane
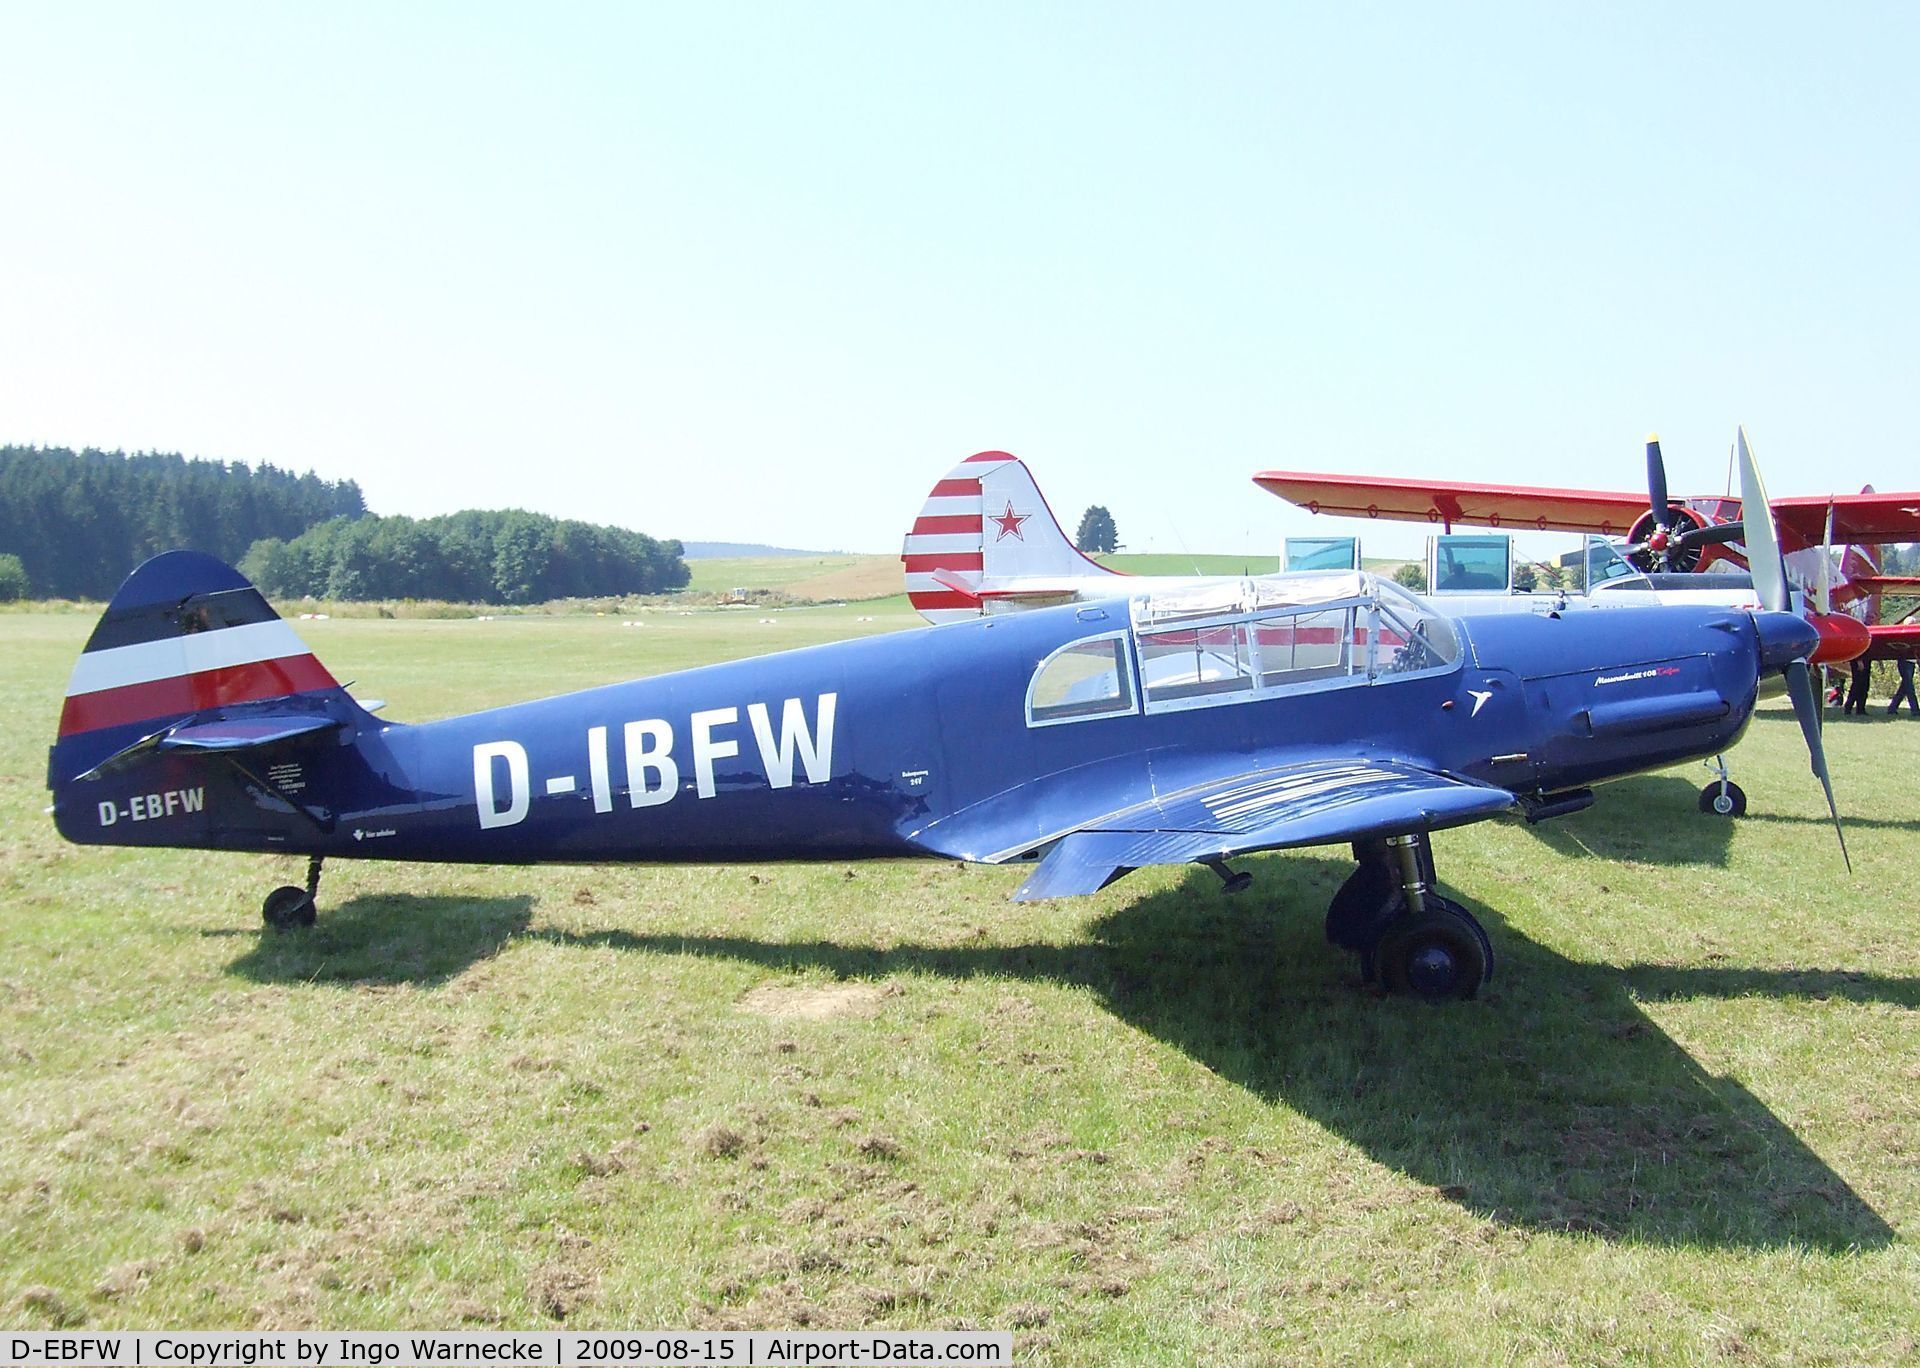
point(1089, 740)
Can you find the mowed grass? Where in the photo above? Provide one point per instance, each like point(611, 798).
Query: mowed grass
point(1155, 1125)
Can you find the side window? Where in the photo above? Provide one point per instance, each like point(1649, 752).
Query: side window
point(1402, 648)
point(1086, 679)
point(1306, 647)
point(1195, 662)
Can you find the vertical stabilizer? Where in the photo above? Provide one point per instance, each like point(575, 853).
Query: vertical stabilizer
point(986, 532)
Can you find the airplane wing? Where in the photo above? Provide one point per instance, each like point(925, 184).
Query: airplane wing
point(1869, 519)
point(1310, 803)
point(1449, 502)
point(1893, 641)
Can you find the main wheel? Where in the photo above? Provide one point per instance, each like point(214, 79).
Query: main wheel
point(287, 907)
point(1732, 803)
point(1437, 954)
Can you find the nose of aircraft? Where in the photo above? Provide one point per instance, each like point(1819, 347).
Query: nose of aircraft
point(1784, 637)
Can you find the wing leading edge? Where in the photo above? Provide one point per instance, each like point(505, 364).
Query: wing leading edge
point(1314, 803)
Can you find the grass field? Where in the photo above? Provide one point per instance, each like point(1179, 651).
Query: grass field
point(851, 578)
point(1155, 1125)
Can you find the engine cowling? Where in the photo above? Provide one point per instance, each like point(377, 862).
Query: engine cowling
point(1645, 532)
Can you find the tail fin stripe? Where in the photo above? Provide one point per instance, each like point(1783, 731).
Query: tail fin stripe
point(959, 543)
point(950, 506)
point(968, 488)
point(945, 598)
point(949, 560)
point(117, 667)
point(937, 526)
point(195, 692)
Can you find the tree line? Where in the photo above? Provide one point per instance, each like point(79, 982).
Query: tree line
point(80, 520)
point(72, 524)
point(493, 556)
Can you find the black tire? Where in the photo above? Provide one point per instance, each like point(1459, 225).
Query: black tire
point(1731, 804)
point(1486, 942)
point(1438, 954)
point(288, 907)
point(1366, 902)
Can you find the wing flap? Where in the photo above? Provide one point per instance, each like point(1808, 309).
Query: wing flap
point(1317, 803)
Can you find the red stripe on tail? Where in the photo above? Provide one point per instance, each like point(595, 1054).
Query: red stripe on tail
point(194, 692)
point(953, 522)
point(923, 561)
point(946, 599)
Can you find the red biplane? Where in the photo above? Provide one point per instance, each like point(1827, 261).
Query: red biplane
point(1828, 540)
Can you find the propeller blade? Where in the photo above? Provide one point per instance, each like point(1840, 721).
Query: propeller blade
point(1763, 541)
point(1806, 707)
point(1823, 583)
point(1719, 534)
point(1657, 482)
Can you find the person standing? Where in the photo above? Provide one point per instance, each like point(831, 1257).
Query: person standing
point(1860, 674)
point(1905, 665)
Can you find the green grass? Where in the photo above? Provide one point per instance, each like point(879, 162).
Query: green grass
point(1155, 1125)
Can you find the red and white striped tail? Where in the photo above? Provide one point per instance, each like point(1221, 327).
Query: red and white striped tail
point(185, 633)
point(986, 531)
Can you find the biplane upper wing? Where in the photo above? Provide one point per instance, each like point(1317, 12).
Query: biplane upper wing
point(1307, 803)
point(1453, 501)
point(1867, 519)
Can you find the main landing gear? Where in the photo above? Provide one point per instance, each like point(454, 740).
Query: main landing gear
point(1408, 936)
point(287, 907)
point(1722, 797)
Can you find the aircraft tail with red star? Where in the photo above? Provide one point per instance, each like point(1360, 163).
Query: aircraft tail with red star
point(986, 540)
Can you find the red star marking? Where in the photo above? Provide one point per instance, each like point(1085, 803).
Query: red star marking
point(1009, 522)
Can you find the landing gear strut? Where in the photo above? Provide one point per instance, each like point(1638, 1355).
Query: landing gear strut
point(1722, 797)
point(287, 907)
point(1408, 935)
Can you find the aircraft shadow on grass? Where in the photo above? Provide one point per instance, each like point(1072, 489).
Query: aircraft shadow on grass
point(1552, 1103)
point(1651, 818)
point(387, 938)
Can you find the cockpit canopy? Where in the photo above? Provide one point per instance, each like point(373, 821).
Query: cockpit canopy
point(1233, 640)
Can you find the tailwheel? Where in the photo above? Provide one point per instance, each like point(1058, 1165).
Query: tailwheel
point(1726, 799)
point(1438, 953)
point(288, 907)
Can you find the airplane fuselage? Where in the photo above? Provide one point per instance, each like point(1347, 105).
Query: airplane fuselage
point(922, 743)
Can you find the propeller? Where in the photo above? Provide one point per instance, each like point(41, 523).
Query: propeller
point(1671, 542)
point(1770, 584)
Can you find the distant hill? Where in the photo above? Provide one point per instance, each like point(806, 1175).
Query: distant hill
point(743, 551)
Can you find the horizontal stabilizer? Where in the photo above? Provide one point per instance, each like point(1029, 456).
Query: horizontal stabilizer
point(235, 734)
point(218, 735)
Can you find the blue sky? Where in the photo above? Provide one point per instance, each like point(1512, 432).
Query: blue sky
point(765, 272)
